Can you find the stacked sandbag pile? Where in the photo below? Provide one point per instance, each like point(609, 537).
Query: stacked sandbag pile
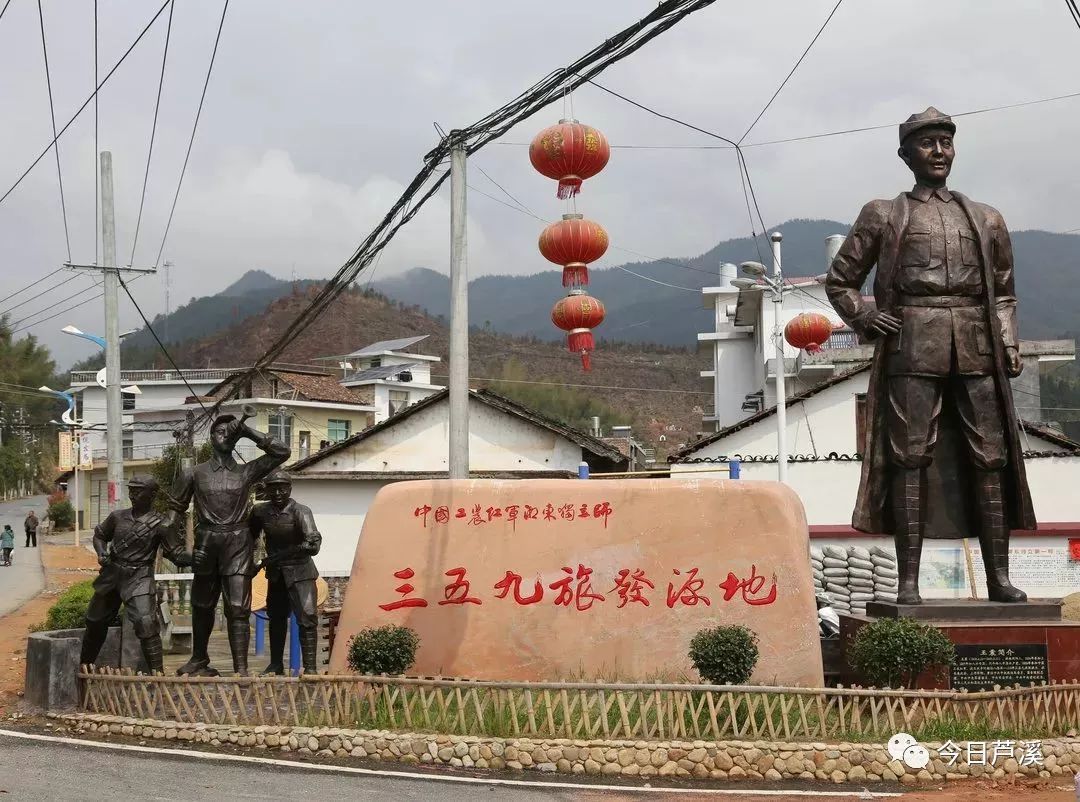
point(885, 576)
point(817, 571)
point(834, 563)
point(860, 578)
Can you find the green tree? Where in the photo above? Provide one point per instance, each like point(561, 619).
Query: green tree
point(28, 443)
point(167, 468)
point(569, 405)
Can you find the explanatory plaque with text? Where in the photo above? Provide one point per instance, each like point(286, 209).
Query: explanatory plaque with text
point(979, 667)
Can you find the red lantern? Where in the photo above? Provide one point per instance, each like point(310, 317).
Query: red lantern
point(809, 331)
point(569, 153)
point(573, 242)
point(577, 314)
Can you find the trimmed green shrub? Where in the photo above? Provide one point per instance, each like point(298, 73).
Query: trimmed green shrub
point(725, 654)
point(893, 652)
point(61, 513)
point(388, 649)
point(69, 609)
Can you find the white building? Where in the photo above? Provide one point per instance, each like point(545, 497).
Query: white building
point(388, 375)
point(506, 440)
point(158, 390)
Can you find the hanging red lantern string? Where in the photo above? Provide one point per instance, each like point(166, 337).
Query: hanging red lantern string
point(573, 242)
point(578, 314)
point(809, 331)
point(569, 153)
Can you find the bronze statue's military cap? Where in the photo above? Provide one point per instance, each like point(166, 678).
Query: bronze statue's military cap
point(278, 477)
point(142, 480)
point(925, 119)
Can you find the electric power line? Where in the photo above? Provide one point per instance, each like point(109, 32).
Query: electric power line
point(86, 103)
point(31, 284)
point(586, 386)
point(4, 9)
point(97, 198)
point(1074, 11)
point(45, 291)
point(786, 79)
point(20, 321)
point(471, 139)
point(153, 131)
point(52, 117)
point(194, 128)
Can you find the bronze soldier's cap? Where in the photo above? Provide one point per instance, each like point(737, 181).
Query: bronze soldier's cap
point(220, 419)
point(142, 480)
point(925, 119)
point(278, 478)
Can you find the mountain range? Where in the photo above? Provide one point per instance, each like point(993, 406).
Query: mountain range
point(647, 343)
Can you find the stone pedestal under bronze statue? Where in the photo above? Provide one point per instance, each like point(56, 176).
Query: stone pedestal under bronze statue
point(942, 458)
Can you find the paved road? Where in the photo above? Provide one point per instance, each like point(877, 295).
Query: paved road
point(25, 578)
point(57, 771)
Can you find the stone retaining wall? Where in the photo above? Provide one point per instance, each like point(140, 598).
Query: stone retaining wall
point(760, 760)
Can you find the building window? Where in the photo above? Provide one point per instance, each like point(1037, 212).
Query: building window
point(399, 399)
point(129, 401)
point(281, 428)
point(305, 444)
point(860, 422)
point(128, 444)
point(337, 430)
point(376, 362)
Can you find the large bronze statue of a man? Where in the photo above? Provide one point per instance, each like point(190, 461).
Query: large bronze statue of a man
point(291, 541)
point(224, 556)
point(946, 344)
point(126, 544)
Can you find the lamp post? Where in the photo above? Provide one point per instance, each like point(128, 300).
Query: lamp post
point(775, 285)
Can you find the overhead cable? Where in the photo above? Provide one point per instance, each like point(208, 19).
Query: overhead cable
point(52, 117)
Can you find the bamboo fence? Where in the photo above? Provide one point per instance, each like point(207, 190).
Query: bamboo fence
point(575, 710)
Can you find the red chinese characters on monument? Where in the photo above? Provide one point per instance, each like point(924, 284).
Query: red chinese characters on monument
point(574, 590)
point(480, 514)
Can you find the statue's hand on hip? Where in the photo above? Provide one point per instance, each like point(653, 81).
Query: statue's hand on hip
point(882, 324)
point(1013, 364)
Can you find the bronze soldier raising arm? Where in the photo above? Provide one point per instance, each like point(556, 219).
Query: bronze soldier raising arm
point(945, 330)
point(224, 558)
point(291, 541)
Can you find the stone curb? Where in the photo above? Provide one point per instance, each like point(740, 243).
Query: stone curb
point(759, 760)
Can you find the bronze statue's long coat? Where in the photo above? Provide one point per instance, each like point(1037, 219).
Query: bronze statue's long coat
point(876, 237)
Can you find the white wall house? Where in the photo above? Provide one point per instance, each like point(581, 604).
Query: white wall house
point(159, 389)
point(391, 375)
point(506, 440)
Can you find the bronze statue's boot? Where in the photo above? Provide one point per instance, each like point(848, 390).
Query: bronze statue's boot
point(309, 649)
point(239, 637)
point(907, 495)
point(93, 640)
point(994, 537)
point(278, 630)
point(152, 654)
point(202, 624)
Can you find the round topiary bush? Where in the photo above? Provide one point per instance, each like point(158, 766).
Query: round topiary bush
point(893, 652)
point(60, 512)
point(69, 609)
point(725, 654)
point(388, 649)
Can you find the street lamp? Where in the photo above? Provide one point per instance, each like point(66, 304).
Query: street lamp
point(98, 341)
point(775, 286)
point(68, 419)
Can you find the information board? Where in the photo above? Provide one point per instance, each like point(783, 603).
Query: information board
point(979, 667)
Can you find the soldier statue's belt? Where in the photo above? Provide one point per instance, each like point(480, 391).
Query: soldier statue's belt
point(940, 301)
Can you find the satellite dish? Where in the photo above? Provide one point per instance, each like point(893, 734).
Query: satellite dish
point(100, 378)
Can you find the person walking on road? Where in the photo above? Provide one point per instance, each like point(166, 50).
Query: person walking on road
point(7, 543)
point(31, 525)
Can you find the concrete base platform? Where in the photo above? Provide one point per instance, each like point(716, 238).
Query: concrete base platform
point(963, 610)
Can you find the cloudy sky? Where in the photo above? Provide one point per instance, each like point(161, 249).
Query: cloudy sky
point(318, 114)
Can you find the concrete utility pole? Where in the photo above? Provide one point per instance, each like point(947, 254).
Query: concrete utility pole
point(778, 345)
point(459, 318)
point(114, 405)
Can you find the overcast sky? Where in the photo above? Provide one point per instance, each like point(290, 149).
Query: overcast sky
point(318, 114)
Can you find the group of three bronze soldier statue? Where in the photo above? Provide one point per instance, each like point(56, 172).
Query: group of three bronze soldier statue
point(946, 344)
point(227, 528)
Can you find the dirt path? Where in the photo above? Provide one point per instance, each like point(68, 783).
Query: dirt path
point(64, 565)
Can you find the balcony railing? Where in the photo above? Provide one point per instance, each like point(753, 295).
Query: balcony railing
point(841, 339)
point(191, 375)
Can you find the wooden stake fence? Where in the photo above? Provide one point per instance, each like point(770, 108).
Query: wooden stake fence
point(575, 710)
